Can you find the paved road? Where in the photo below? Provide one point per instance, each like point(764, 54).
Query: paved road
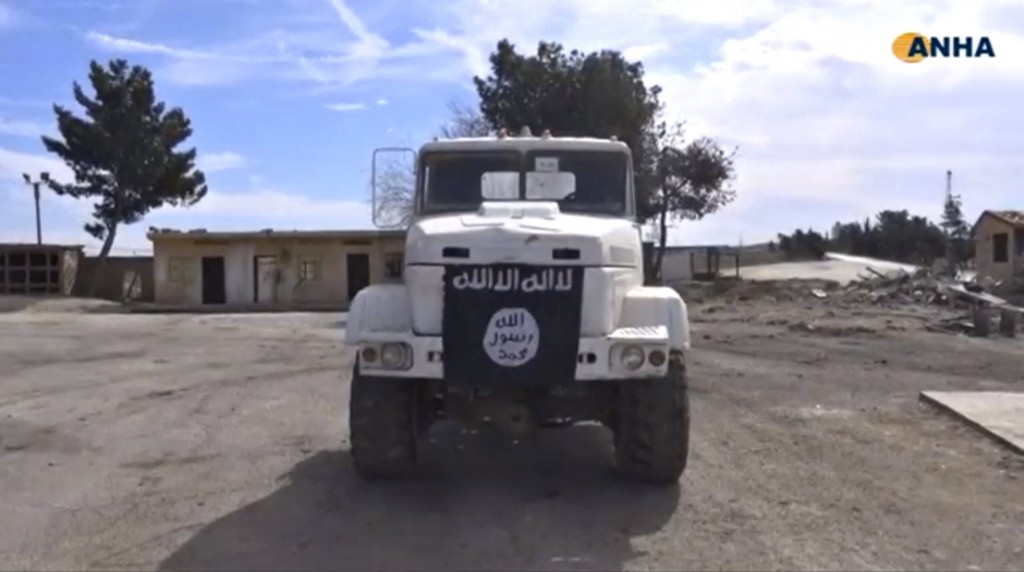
point(842, 268)
point(201, 442)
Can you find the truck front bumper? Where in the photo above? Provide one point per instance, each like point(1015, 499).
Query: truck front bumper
point(406, 355)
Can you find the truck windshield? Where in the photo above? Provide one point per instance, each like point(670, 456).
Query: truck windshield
point(580, 181)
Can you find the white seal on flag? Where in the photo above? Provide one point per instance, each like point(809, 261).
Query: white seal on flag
point(512, 337)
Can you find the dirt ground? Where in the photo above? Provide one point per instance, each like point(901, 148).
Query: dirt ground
point(183, 442)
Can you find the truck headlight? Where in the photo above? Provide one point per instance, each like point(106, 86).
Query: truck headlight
point(395, 355)
point(632, 357)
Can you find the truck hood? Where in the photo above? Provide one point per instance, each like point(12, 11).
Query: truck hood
point(524, 233)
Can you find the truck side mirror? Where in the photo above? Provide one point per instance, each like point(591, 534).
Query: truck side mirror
point(393, 186)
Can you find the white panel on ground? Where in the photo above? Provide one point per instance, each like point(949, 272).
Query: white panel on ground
point(998, 414)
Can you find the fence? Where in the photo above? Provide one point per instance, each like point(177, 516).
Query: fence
point(120, 278)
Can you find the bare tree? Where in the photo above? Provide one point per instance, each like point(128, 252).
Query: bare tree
point(466, 121)
point(395, 181)
point(396, 176)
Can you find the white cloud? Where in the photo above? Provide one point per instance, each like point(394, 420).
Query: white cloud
point(369, 43)
point(382, 102)
point(264, 202)
point(7, 18)
point(14, 102)
point(14, 163)
point(260, 206)
point(821, 118)
point(138, 47)
point(310, 51)
point(825, 116)
point(216, 65)
point(226, 161)
point(255, 209)
point(716, 12)
point(346, 106)
point(645, 51)
point(19, 128)
point(474, 55)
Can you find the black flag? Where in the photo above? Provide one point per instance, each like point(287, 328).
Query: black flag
point(511, 324)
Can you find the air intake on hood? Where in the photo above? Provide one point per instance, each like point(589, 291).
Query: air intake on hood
point(455, 252)
point(565, 254)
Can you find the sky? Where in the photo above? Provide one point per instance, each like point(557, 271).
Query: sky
point(289, 98)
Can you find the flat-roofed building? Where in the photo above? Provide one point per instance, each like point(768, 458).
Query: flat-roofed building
point(38, 268)
point(270, 268)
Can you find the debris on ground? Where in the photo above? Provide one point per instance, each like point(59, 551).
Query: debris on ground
point(897, 286)
point(946, 300)
point(971, 297)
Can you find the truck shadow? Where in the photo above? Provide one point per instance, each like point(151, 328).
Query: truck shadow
point(484, 502)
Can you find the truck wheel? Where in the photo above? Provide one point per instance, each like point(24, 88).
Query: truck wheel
point(383, 426)
point(652, 439)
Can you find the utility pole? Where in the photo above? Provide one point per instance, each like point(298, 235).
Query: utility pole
point(44, 177)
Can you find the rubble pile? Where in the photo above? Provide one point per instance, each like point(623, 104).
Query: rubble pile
point(972, 300)
point(897, 286)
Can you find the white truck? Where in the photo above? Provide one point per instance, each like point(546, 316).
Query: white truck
point(522, 304)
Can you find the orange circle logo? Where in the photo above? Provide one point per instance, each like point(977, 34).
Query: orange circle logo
point(902, 44)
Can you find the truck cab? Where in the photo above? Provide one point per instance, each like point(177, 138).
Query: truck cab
point(523, 305)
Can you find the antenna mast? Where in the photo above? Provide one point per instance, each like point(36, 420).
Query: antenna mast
point(951, 254)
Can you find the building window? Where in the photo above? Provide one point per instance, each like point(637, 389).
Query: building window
point(393, 263)
point(177, 270)
point(1018, 242)
point(310, 270)
point(1000, 247)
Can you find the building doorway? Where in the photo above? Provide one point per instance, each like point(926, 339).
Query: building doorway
point(264, 279)
point(214, 291)
point(358, 270)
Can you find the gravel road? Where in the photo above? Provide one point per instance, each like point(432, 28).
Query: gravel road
point(180, 442)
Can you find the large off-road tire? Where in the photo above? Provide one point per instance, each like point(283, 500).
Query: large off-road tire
point(383, 426)
point(652, 433)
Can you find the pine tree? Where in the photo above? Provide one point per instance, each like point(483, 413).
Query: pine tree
point(123, 151)
point(955, 228)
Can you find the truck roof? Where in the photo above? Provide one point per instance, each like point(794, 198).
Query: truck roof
point(524, 144)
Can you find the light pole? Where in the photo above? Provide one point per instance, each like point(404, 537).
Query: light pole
point(44, 177)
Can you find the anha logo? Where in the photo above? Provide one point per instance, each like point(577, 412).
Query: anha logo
point(913, 47)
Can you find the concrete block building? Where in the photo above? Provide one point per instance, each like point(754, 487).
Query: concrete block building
point(39, 269)
point(999, 248)
point(268, 268)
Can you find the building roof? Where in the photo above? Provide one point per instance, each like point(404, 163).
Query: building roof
point(33, 247)
point(1016, 218)
point(1010, 217)
point(202, 233)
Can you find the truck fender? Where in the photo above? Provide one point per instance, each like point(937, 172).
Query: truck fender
point(657, 306)
point(381, 308)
